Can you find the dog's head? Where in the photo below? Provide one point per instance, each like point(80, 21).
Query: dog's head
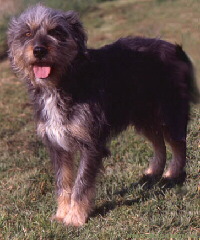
point(43, 42)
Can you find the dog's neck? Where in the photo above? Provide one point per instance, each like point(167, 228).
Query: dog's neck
point(40, 95)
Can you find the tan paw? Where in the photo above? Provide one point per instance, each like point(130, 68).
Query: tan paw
point(64, 201)
point(173, 173)
point(77, 215)
point(61, 213)
point(73, 219)
point(153, 172)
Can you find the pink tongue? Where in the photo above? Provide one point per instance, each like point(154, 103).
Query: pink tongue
point(41, 72)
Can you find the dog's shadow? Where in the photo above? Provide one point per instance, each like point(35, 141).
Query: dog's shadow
point(144, 184)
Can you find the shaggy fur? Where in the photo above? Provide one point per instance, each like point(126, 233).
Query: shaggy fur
point(82, 97)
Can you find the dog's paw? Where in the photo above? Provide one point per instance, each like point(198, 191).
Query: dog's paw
point(60, 214)
point(174, 174)
point(75, 219)
point(77, 215)
point(168, 181)
point(148, 178)
point(154, 170)
point(64, 204)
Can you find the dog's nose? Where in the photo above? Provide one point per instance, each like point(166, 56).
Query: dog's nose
point(39, 52)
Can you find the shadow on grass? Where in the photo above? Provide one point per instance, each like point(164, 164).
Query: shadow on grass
point(109, 206)
point(145, 184)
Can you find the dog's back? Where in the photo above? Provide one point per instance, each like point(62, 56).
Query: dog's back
point(140, 81)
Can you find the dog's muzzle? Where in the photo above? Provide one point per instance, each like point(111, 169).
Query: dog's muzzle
point(41, 71)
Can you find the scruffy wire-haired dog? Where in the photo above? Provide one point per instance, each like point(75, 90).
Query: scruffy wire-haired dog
point(83, 96)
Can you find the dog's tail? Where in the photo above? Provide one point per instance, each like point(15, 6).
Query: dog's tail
point(194, 94)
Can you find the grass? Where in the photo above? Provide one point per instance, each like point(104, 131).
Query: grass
point(124, 209)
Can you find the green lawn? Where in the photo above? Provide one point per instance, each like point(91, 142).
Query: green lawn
point(124, 209)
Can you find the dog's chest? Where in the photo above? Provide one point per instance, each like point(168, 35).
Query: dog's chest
point(53, 125)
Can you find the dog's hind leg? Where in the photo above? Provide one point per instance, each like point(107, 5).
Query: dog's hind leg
point(157, 163)
point(178, 162)
point(63, 165)
point(175, 134)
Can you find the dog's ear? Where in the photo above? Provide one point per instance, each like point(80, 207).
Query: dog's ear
point(77, 31)
point(11, 35)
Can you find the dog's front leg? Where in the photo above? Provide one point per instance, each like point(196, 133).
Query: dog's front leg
point(63, 165)
point(84, 189)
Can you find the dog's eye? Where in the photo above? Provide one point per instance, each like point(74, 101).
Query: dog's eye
point(28, 34)
point(59, 33)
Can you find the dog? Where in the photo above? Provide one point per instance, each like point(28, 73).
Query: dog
point(81, 97)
